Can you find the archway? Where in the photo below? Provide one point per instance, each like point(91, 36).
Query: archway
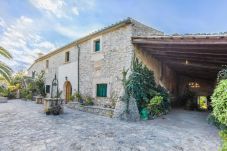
point(68, 90)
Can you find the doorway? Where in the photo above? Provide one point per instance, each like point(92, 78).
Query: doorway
point(68, 91)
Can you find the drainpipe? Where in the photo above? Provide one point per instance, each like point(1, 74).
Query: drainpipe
point(78, 68)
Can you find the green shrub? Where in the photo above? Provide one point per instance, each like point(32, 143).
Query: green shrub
point(88, 101)
point(29, 96)
point(40, 84)
point(212, 120)
point(72, 97)
point(141, 85)
point(219, 102)
point(78, 96)
point(223, 136)
point(222, 74)
point(4, 92)
point(11, 95)
point(155, 106)
point(23, 93)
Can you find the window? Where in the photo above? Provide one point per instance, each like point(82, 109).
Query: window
point(47, 88)
point(33, 74)
point(97, 45)
point(101, 90)
point(47, 64)
point(67, 56)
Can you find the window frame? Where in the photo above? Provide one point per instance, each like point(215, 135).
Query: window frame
point(47, 64)
point(67, 56)
point(95, 46)
point(33, 74)
point(100, 91)
point(47, 89)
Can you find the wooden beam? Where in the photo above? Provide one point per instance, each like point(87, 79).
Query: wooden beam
point(187, 57)
point(184, 47)
point(186, 53)
point(212, 52)
point(209, 78)
point(194, 73)
point(193, 65)
point(181, 41)
point(204, 61)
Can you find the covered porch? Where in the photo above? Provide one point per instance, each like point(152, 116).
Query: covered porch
point(184, 64)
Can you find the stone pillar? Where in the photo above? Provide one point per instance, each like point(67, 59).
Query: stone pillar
point(121, 112)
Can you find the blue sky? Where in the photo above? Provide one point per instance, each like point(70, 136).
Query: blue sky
point(28, 27)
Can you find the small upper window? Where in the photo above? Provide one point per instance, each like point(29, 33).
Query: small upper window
point(67, 56)
point(97, 45)
point(47, 64)
point(33, 74)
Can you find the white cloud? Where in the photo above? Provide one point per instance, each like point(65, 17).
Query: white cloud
point(22, 36)
point(74, 32)
point(22, 39)
point(2, 23)
point(75, 10)
point(58, 8)
point(50, 6)
point(62, 8)
point(65, 31)
point(46, 45)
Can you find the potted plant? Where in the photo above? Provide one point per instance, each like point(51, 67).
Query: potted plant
point(79, 98)
point(88, 101)
point(71, 98)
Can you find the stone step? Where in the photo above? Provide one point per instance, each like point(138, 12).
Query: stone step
point(3, 99)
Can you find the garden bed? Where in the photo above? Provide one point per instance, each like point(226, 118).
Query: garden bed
point(91, 109)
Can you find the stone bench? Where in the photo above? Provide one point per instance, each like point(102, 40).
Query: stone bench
point(3, 99)
point(38, 99)
point(91, 109)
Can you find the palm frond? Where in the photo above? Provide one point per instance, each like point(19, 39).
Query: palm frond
point(3, 65)
point(5, 53)
point(5, 75)
point(5, 71)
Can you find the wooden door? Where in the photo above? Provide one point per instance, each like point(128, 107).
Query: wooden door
point(68, 91)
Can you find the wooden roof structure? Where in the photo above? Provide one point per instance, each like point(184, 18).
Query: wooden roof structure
point(200, 56)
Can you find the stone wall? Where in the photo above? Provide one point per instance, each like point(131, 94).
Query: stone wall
point(55, 62)
point(140, 29)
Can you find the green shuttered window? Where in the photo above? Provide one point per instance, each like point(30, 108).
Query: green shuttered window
point(101, 90)
point(97, 45)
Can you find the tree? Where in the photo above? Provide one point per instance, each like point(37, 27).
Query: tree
point(5, 70)
point(40, 83)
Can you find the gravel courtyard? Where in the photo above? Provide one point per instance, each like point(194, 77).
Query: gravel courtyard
point(24, 126)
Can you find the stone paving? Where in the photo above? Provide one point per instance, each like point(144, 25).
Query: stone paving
point(24, 127)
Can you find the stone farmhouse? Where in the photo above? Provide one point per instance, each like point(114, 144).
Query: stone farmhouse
point(93, 65)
